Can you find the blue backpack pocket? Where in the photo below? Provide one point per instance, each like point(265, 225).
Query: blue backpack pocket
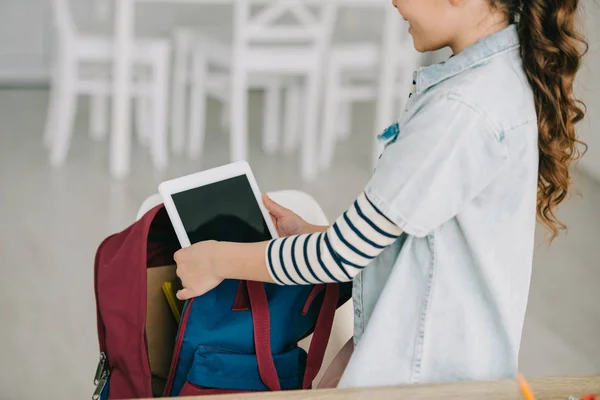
point(222, 369)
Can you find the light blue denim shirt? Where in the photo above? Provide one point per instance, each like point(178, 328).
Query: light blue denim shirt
point(447, 301)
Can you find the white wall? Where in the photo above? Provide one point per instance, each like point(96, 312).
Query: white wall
point(27, 31)
point(588, 89)
point(24, 40)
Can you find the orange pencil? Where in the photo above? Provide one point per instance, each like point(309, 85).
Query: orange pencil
point(525, 389)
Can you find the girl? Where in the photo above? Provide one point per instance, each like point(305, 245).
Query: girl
point(444, 231)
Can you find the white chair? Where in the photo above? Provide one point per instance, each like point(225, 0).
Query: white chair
point(354, 74)
point(81, 65)
point(264, 48)
point(308, 208)
point(202, 65)
point(148, 204)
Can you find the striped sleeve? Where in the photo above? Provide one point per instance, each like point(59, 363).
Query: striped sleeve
point(338, 254)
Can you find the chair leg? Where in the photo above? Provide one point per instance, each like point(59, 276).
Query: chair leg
point(345, 120)
point(160, 101)
point(272, 112)
point(197, 112)
point(309, 160)
point(98, 117)
point(239, 115)
point(53, 102)
point(143, 115)
point(225, 115)
point(51, 116)
point(293, 103)
point(179, 88)
point(64, 110)
point(330, 114)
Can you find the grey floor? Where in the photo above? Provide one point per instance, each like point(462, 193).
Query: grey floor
point(51, 222)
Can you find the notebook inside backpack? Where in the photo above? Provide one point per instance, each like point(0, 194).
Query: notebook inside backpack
point(161, 326)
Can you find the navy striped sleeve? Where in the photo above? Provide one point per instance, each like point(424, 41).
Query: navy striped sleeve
point(337, 255)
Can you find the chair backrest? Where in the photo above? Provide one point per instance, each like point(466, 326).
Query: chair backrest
point(148, 204)
point(63, 19)
point(302, 204)
point(275, 22)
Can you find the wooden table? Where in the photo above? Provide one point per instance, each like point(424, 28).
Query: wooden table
point(559, 388)
point(121, 107)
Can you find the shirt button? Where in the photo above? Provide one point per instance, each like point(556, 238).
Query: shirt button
point(357, 313)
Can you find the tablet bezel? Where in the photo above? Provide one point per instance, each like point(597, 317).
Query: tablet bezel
point(168, 188)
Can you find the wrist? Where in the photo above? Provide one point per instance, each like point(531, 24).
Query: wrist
point(216, 259)
point(315, 228)
point(241, 261)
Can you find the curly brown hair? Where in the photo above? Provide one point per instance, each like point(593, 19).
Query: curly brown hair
point(552, 51)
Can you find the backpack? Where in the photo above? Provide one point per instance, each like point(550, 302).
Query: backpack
point(240, 337)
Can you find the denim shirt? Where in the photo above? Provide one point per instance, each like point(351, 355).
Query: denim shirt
point(447, 301)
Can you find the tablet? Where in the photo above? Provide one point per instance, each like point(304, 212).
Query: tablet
point(222, 204)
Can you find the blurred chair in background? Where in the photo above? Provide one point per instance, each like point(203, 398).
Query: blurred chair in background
point(267, 52)
point(354, 74)
point(82, 66)
point(279, 47)
point(203, 65)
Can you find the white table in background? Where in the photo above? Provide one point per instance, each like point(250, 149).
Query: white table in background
point(124, 23)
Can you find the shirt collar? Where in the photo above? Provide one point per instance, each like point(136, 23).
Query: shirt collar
point(499, 42)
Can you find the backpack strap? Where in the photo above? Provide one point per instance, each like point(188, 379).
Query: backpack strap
point(242, 300)
point(322, 332)
point(262, 335)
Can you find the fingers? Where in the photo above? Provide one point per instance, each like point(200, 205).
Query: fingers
point(183, 254)
point(187, 253)
point(275, 209)
point(185, 294)
point(194, 270)
point(177, 256)
point(274, 219)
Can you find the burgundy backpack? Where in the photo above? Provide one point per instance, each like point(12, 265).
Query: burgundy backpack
point(240, 337)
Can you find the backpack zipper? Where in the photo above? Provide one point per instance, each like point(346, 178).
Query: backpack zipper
point(103, 368)
point(218, 350)
point(101, 376)
point(100, 369)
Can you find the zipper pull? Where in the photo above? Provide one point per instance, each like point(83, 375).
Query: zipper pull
point(100, 388)
point(100, 368)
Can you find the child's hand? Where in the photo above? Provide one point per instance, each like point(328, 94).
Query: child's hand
point(286, 221)
point(196, 267)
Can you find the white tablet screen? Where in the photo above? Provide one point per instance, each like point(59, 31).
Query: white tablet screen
point(226, 211)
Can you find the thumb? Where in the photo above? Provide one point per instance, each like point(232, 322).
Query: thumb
point(185, 294)
point(275, 209)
